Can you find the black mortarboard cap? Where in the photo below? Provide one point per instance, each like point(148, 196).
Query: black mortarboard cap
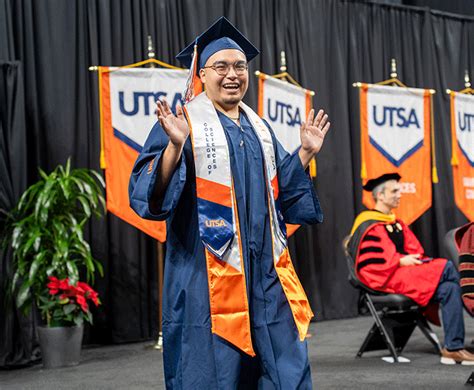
point(372, 183)
point(222, 28)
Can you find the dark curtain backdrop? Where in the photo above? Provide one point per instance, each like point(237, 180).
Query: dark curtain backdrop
point(329, 44)
point(17, 332)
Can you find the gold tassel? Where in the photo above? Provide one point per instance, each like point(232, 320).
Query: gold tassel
point(103, 165)
point(434, 175)
point(434, 170)
point(312, 168)
point(363, 171)
point(454, 158)
point(102, 160)
point(363, 166)
point(454, 154)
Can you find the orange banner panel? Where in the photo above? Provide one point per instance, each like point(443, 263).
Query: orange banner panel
point(119, 161)
point(413, 163)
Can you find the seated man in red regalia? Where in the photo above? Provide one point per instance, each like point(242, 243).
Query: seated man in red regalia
point(389, 257)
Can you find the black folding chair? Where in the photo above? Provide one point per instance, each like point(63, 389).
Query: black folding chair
point(395, 317)
point(450, 247)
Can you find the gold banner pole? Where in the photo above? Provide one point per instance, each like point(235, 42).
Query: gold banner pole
point(159, 246)
point(160, 263)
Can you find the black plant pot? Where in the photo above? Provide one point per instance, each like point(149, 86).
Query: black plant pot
point(60, 346)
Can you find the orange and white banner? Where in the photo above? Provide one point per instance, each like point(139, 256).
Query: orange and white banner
point(395, 137)
point(127, 108)
point(462, 159)
point(284, 106)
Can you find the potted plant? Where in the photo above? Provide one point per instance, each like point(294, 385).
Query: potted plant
point(50, 254)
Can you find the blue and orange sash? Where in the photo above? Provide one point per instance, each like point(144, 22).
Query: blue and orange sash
point(220, 231)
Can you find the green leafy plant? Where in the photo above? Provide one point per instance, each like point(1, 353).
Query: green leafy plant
point(45, 232)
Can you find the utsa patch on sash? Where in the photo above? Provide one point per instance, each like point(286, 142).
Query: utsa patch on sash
point(127, 107)
point(395, 137)
point(234, 312)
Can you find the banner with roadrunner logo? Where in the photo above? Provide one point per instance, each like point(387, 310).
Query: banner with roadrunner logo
point(395, 137)
point(462, 159)
point(127, 108)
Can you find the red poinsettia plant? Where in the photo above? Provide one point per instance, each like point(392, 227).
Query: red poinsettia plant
point(67, 304)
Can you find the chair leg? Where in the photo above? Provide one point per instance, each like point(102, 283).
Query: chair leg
point(373, 331)
point(381, 328)
point(428, 332)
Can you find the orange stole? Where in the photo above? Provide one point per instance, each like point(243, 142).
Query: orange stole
point(229, 310)
point(228, 299)
point(295, 294)
point(289, 280)
point(227, 288)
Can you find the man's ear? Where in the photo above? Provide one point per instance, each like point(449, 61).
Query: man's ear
point(379, 195)
point(202, 76)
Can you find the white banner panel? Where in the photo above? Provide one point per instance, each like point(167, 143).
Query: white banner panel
point(464, 122)
point(133, 93)
point(284, 106)
point(395, 121)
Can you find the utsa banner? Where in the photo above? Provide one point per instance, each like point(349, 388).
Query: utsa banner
point(395, 137)
point(127, 108)
point(462, 143)
point(284, 106)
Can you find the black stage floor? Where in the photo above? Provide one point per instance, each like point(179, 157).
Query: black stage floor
point(332, 350)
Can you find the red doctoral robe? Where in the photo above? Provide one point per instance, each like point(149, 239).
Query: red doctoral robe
point(378, 264)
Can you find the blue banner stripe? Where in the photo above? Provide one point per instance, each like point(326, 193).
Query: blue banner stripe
point(399, 162)
point(122, 137)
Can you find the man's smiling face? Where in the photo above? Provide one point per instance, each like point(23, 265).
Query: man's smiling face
point(227, 91)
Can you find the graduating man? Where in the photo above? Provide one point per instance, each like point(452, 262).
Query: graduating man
point(389, 257)
point(234, 312)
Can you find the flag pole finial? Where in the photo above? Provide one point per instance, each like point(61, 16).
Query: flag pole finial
point(151, 52)
point(282, 61)
point(393, 68)
point(467, 81)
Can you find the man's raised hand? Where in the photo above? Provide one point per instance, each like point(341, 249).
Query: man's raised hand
point(313, 131)
point(175, 126)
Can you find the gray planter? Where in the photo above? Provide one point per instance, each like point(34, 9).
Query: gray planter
point(60, 346)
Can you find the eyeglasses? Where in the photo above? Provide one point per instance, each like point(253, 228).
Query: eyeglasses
point(222, 67)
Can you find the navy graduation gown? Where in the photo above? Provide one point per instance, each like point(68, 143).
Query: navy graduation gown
point(194, 358)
